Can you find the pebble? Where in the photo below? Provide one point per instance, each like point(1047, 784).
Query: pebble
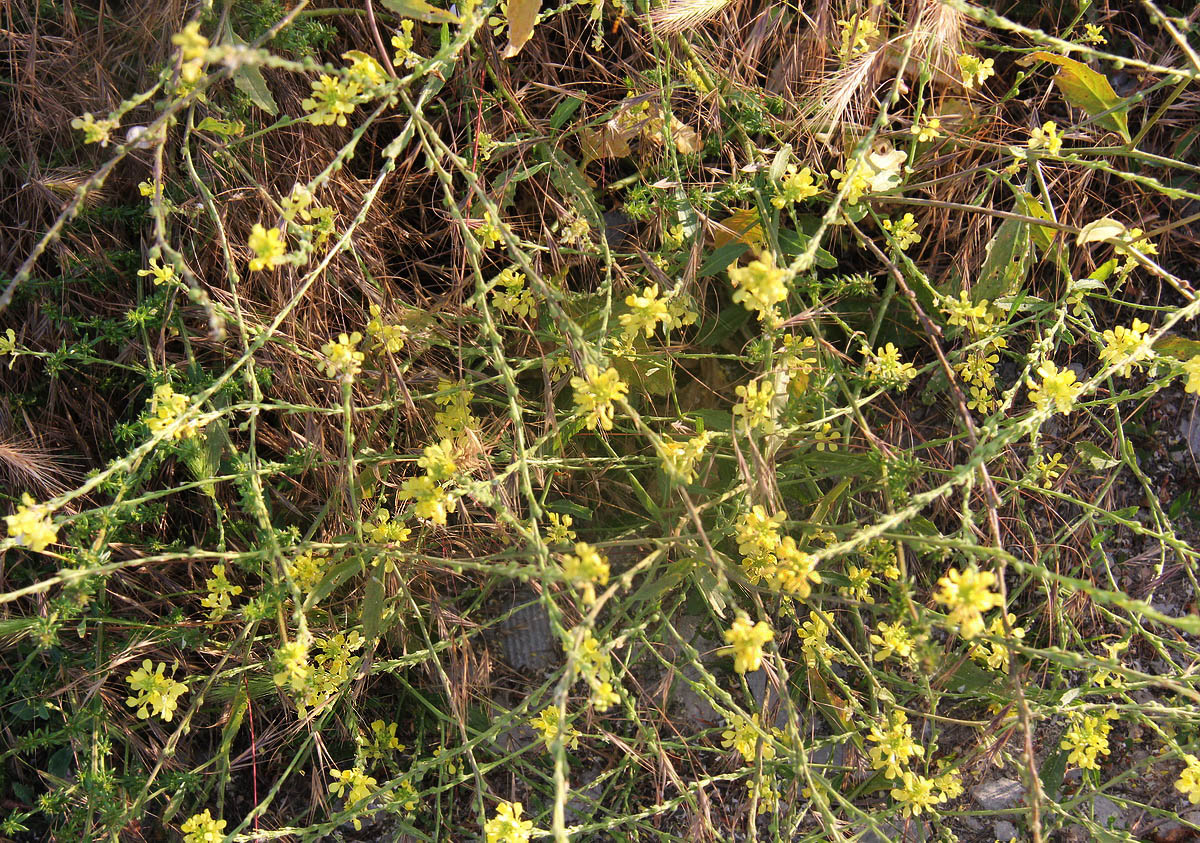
point(998, 794)
point(1004, 830)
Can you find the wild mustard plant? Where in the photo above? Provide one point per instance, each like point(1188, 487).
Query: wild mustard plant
point(220, 595)
point(550, 727)
point(894, 746)
point(760, 287)
point(916, 794)
point(893, 639)
point(383, 530)
point(268, 247)
point(343, 360)
point(1057, 390)
point(585, 569)
point(1126, 348)
point(94, 130)
point(355, 786)
point(994, 654)
point(595, 667)
point(858, 34)
point(402, 43)
point(1191, 371)
point(974, 71)
point(166, 406)
point(904, 232)
point(293, 670)
point(154, 692)
point(646, 312)
point(511, 296)
point(202, 828)
point(885, 367)
point(743, 736)
point(927, 128)
point(746, 642)
point(679, 459)
point(385, 336)
point(1188, 782)
point(967, 594)
point(31, 525)
point(1087, 738)
point(1048, 470)
point(795, 571)
point(158, 273)
point(381, 744)
point(559, 530)
point(756, 408)
point(595, 394)
point(797, 185)
point(507, 826)
point(1045, 138)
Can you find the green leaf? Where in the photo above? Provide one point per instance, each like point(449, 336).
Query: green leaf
point(564, 111)
point(226, 128)
point(1052, 772)
point(1180, 348)
point(1085, 88)
point(373, 599)
point(249, 79)
point(1095, 457)
point(1007, 263)
point(1043, 237)
point(420, 10)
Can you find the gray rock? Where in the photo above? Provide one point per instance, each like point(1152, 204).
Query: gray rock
point(529, 643)
point(998, 794)
point(891, 833)
point(1004, 830)
point(1106, 813)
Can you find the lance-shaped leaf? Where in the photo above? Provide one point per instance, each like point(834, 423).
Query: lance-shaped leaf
point(1089, 90)
point(522, 14)
point(420, 10)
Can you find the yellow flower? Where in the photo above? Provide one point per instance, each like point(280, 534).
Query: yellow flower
point(916, 794)
point(679, 458)
point(388, 337)
point(220, 593)
point(560, 531)
point(886, 367)
point(904, 232)
point(927, 128)
point(95, 131)
point(857, 34)
point(331, 100)
point(202, 828)
point(795, 571)
point(757, 407)
point(294, 670)
point(507, 826)
point(1048, 470)
point(156, 692)
point(386, 531)
point(796, 186)
point(31, 525)
point(157, 272)
point(757, 533)
point(1126, 348)
point(595, 393)
point(746, 642)
point(1191, 369)
point(974, 70)
point(192, 45)
point(343, 360)
point(895, 744)
point(893, 640)
point(827, 439)
point(759, 286)
point(355, 785)
point(968, 594)
point(585, 569)
point(166, 405)
point(514, 299)
point(550, 725)
point(743, 736)
point(268, 247)
point(1087, 738)
point(1045, 137)
point(646, 311)
point(1189, 780)
point(429, 499)
point(402, 41)
point(1057, 388)
point(1093, 34)
point(995, 653)
point(382, 742)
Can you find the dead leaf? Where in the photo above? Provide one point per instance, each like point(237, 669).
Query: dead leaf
point(522, 15)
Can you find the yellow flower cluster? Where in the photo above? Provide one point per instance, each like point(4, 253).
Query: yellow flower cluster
point(386, 336)
point(926, 128)
point(893, 640)
point(746, 642)
point(995, 653)
point(455, 417)
point(1045, 137)
point(343, 360)
point(154, 691)
point(885, 367)
point(550, 727)
point(383, 530)
point(268, 247)
point(307, 569)
point(382, 742)
point(560, 531)
point(797, 186)
point(402, 43)
point(679, 459)
point(1057, 388)
point(31, 525)
point(158, 272)
point(974, 70)
point(510, 295)
point(743, 735)
point(1191, 371)
point(585, 569)
point(1087, 738)
point(895, 745)
point(355, 785)
point(858, 33)
point(967, 594)
point(904, 231)
point(202, 828)
point(429, 491)
point(595, 666)
point(1189, 780)
point(757, 407)
point(166, 405)
point(1126, 348)
point(507, 826)
point(595, 394)
point(760, 287)
point(220, 593)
